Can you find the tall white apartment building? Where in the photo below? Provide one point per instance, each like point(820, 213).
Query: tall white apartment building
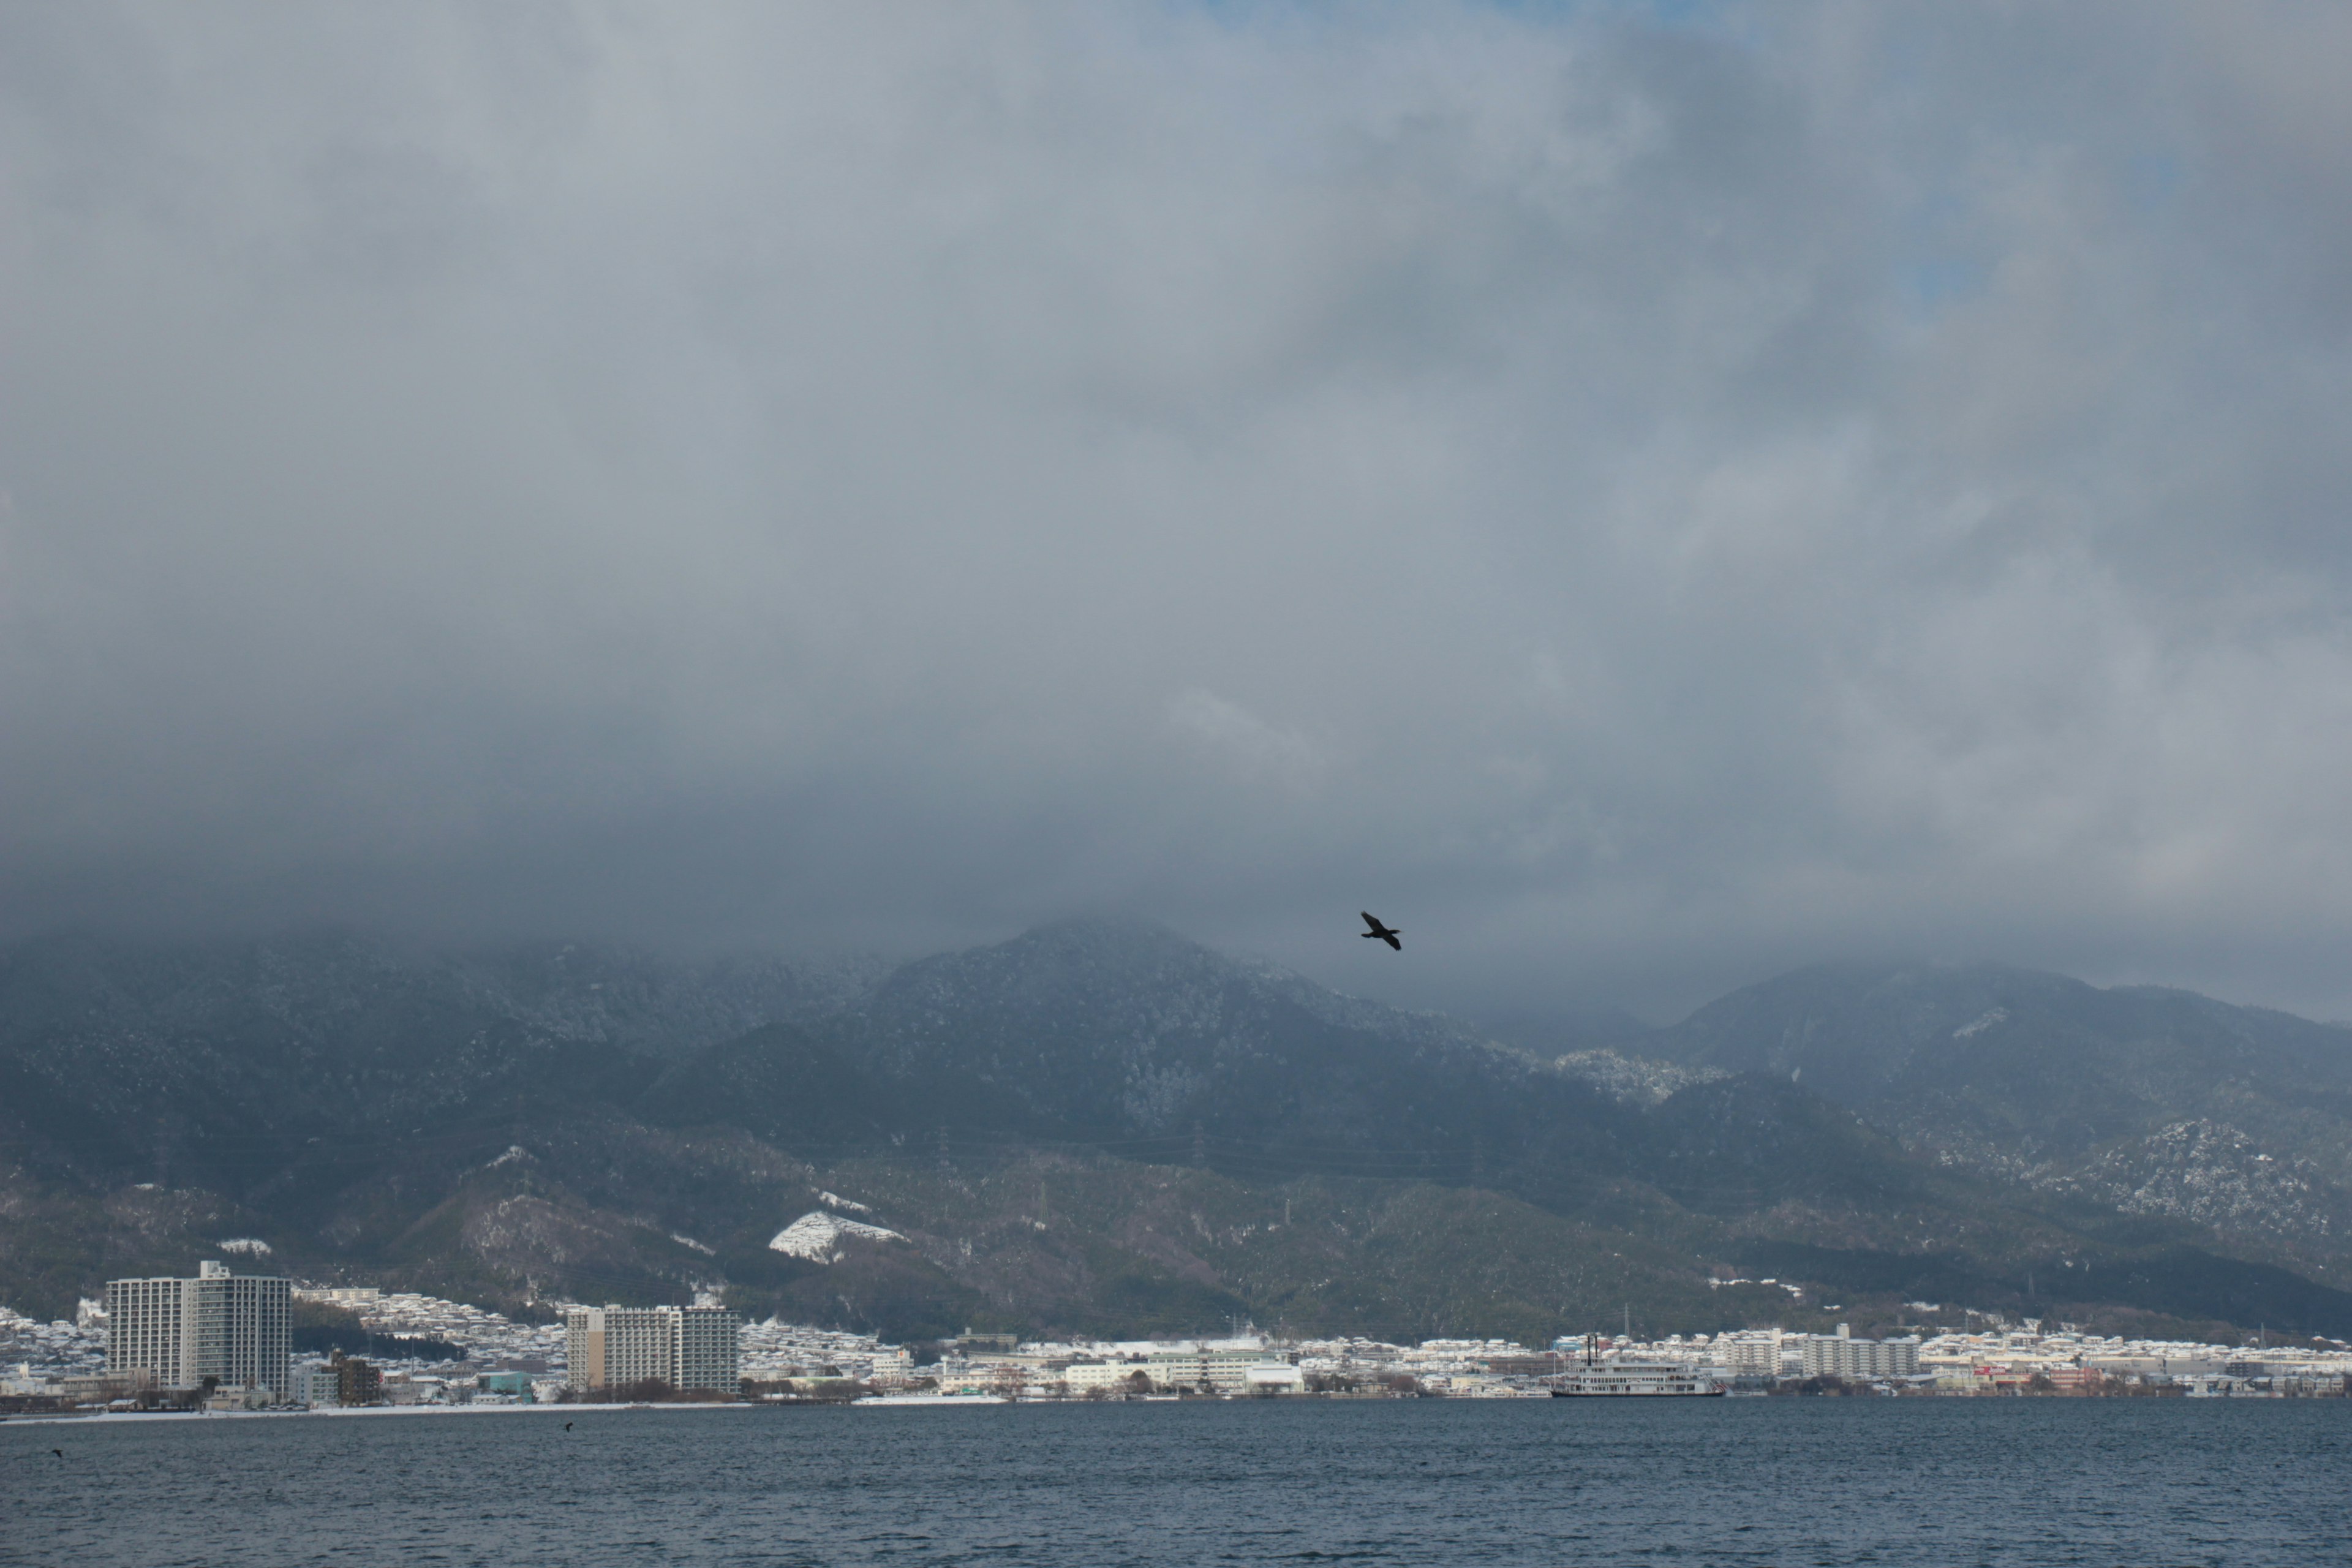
point(709, 1350)
point(686, 1347)
point(230, 1328)
point(1841, 1355)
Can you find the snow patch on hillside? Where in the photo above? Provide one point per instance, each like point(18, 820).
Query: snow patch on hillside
point(1633, 1080)
point(816, 1236)
point(2211, 1173)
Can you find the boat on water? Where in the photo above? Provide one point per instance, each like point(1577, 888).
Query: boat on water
point(1620, 1379)
point(1600, 1374)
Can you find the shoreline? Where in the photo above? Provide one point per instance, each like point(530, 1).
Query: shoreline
point(931, 1402)
point(55, 1419)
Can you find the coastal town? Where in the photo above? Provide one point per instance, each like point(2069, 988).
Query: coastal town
point(138, 1349)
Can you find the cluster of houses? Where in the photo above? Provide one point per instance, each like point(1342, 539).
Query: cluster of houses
point(225, 1336)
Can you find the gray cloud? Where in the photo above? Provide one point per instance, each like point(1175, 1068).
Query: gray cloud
point(1638, 502)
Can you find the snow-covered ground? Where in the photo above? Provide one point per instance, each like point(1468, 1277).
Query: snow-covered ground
point(816, 1236)
point(776, 1350)
point(486, 1336)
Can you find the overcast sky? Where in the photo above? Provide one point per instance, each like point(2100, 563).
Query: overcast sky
point(1639, 497)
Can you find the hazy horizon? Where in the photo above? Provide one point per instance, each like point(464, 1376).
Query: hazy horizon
point(1640, 496)
point(1509, 1018)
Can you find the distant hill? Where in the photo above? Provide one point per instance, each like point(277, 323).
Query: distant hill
point(2155, 1101)
point(1098, 1125)
point(1562, 1030)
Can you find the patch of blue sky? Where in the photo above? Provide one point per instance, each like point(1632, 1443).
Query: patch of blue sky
point(1939, 253)
point(1934, 284)
point(2151, 179)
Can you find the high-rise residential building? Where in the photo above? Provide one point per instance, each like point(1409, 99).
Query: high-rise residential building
point(686, 1347)
point(709, 1350)
point(232, 1329)
point(1841, 1355)
point(639, 1346)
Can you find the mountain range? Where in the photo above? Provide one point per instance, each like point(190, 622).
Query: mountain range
point(2155, 1101)
point(1100, 1126)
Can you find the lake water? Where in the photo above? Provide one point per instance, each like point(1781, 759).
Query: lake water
point(1779, 1481)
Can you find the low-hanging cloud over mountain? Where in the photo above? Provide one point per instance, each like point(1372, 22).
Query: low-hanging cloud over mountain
point(1636, 496)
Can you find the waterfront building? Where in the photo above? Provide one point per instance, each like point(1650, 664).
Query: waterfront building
point(1221, 1371)
point(638, 1346)
point(517, 1384)
point(1754, 1352)
point(709, 1350)
point(105, 1387)
point(1274, 1377)
point(685, 1347)
point(319, 1384)
point(1110, 1377)
point(356, 1381)
point(1842, 1355)
point(228, 1329)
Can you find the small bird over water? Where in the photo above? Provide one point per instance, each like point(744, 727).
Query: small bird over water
point(1379, 931)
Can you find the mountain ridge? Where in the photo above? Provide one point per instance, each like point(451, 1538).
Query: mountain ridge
point(1052, 1125)
point(2149, 1097)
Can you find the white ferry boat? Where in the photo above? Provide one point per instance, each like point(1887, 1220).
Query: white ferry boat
point(1636, 1378)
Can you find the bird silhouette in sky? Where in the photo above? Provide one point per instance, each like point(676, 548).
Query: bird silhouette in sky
point(1379, 931)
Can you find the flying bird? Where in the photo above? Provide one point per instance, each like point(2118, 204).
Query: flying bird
point(1379, 931)
point(60, 1453)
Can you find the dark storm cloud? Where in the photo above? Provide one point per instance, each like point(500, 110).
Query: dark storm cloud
point(1637, 502)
